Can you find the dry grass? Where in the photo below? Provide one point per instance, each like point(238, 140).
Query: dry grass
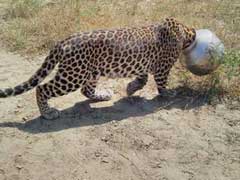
point(32, 26)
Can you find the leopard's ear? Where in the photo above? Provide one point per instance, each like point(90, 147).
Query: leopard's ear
point(170, 21)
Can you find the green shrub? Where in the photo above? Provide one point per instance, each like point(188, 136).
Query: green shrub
point(225, 81)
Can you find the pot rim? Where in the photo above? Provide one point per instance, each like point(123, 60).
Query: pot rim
point(189, 48)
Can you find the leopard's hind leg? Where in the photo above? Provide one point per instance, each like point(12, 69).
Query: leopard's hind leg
point(58, 86)
point(89, 89)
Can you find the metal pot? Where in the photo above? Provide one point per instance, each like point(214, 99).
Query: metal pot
point(205, 54)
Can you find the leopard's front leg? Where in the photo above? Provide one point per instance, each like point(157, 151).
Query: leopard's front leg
point(161, 78)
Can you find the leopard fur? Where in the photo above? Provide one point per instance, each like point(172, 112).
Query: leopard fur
point(82, 58)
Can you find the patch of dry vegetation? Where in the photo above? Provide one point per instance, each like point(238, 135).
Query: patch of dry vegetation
point(33, 26)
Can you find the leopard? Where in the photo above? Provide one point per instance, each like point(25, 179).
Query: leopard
point(82, 58)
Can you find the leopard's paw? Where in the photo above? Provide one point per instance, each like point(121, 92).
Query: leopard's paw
point(133, 87)
point(167, 93)
point(103, 95)
point(51, 114)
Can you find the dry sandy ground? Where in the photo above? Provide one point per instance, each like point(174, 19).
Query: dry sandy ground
point(138, 138)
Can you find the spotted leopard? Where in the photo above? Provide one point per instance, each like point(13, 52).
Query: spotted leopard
point(84, 57)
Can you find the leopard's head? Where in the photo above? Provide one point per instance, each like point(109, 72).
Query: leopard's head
point(190, 36)
point(186, 35)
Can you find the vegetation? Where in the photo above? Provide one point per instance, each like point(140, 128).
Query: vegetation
point(32, 26)
point(225, 81)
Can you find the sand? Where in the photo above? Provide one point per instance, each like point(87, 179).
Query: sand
point(138, 138)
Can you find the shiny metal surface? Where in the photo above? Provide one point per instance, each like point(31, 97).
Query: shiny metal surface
point(205, 54)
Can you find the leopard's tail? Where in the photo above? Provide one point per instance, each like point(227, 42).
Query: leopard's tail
point(46, 68)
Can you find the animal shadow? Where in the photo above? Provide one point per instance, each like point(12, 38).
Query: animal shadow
point(81, 114)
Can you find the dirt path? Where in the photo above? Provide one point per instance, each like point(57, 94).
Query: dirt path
point(124, 139)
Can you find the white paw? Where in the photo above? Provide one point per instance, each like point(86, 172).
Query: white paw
point(104, 95)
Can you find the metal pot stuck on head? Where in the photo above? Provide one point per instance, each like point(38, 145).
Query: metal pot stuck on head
point(205, 54)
